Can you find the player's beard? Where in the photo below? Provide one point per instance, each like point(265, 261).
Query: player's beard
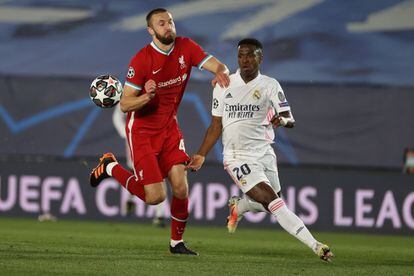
point(167, 39)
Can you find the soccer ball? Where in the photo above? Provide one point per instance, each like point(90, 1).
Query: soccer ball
point(105, 91)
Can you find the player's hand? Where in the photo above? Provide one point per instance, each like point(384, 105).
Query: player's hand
point(276, 121)
point(150, 87)
point(213, 82)
point(196, 161)
point(222, 78)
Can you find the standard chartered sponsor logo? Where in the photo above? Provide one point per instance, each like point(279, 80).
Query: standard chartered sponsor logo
point(241, 110)
point(169, 82)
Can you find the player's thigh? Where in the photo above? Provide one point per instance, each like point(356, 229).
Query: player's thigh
point(246, 174)
point(177, 176)
point(147, 170)
point(149, 175)
point(173, 150)
point(262, 193)
point(269, 164)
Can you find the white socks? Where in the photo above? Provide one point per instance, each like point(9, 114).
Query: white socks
point(291, 223)
point(109, 168)
point(173, 243)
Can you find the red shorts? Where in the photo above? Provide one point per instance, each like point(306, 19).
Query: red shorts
point(154, 155)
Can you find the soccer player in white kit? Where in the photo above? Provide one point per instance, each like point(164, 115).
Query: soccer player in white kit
point(245, 113)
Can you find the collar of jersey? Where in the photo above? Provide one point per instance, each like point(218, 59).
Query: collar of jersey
point(250, 82)
point(161, 51)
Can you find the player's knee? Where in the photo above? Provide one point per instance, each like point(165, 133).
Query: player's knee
point(155, 198)
point(180, 191)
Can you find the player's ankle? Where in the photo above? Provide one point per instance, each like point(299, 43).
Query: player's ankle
point(109, 168)
point(173, 243)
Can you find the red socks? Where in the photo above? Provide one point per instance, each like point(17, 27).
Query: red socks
point(179, 207)
point(127, 180)
point(179, 215)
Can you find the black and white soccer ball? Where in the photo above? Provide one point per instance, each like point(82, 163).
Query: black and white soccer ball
point(105, 91)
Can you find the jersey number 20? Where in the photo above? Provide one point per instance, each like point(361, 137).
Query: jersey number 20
point(243, 170)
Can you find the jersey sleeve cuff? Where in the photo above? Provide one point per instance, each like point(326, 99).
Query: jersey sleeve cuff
point(133, 85)
point(200, 65)
point(217, 114)
point(283, 109)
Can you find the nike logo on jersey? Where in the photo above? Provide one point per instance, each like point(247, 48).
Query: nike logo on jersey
point(155, 72)
point(228, 96)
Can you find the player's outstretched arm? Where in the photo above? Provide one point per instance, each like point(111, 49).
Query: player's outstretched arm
point(132, 101)
point(212, 135)
point(220, 70)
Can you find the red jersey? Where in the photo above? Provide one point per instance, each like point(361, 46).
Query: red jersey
point(171, 71)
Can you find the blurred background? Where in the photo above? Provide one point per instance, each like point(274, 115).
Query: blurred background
point(346, 67)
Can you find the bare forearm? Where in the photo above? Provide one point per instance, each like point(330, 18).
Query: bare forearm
point(215, 66)
point(131, 103)
point(212, 135)
point(222, 68)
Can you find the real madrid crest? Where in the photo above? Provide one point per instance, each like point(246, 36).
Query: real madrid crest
point(256, 95)
point(243, 181)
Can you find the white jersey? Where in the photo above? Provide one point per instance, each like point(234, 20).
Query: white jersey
point(246, 110)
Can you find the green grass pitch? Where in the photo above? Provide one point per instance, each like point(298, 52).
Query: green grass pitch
point(28, 247)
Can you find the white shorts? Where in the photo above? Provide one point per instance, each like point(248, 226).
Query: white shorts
point(247, 173)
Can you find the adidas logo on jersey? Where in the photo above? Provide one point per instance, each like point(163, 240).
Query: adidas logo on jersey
point(228, 96)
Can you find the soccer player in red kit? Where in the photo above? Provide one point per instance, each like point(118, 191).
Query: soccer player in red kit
point(155, 84)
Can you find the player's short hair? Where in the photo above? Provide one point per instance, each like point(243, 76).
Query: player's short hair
point(151, 13)
point(251, 41)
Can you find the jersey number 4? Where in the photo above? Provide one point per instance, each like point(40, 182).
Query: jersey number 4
point(243, 170)
point(181, 145)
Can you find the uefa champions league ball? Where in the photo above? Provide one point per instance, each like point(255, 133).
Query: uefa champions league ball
point(105, 91)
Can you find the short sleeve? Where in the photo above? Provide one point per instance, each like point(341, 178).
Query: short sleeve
point(217, 105)
point(198, 55)
point(278, 97)
point(136, 72)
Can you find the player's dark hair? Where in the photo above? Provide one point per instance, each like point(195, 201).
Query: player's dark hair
point(251, 41)
point(151, 13)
